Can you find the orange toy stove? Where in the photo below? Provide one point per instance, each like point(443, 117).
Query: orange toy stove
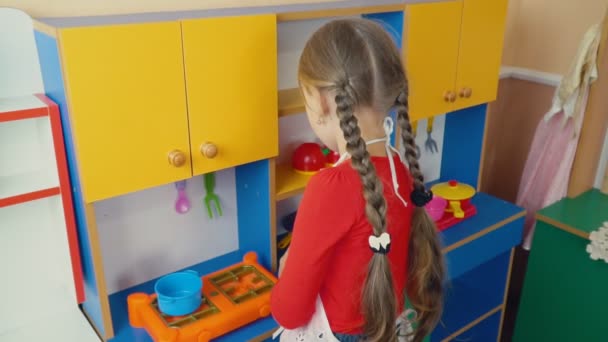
point(232, 297)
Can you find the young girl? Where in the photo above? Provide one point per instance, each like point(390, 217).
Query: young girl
point(362, 240)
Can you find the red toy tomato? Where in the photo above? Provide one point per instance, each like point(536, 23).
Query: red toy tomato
point(331, 157)
point(308, 158)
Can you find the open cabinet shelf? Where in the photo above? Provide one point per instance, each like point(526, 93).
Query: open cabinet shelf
point(258, 331)
point(289, 183)
point(21, 107)
point(28, 187)
point(26, 150)
point(291, 102)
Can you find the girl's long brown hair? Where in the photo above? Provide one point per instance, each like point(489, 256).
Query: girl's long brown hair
point(356, 60)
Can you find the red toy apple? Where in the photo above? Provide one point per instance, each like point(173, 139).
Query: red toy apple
point(308, 158)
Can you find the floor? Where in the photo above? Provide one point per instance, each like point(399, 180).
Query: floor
point(520, 262)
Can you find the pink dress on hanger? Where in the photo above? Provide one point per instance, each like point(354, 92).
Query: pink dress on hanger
point(547, 171)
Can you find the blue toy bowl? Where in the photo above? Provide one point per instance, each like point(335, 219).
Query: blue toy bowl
point(179, 293)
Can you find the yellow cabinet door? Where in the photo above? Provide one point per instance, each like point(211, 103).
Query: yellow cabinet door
point(431, 53)
point(127, 104)
point(481, 45)
point(231, 82)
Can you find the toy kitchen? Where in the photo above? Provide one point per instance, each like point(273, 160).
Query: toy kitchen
point(187, 166)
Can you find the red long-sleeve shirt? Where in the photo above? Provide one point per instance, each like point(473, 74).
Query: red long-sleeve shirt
point(329, 252)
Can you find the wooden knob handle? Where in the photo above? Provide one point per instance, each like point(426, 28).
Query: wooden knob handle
point(177, 158)
point(449, 96)
point(209, 150)
point(466, 92)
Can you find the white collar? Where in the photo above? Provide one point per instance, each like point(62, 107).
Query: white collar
point(388, 130)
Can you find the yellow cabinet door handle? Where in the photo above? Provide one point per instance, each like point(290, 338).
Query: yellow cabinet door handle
point(449, 96)
point(177, 158)
point(209, 150)
point(466, 92)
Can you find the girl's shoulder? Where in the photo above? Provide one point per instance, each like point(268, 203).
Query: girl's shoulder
point(333, 198)
point(338, 178)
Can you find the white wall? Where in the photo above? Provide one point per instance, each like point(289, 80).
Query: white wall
point(142, 236)
point(19, 68)
point(543, 35)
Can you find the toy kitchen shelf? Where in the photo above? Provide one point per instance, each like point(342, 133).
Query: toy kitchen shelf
point(37, 223)
point(31, 184)
point(133, 128)
point(32, 129)
point(289, 182)
point(290, 102)
point(125, 333)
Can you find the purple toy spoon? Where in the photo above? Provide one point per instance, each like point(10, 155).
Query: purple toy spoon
point(182, 204)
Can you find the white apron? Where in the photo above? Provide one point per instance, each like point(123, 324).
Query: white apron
point(318, 328)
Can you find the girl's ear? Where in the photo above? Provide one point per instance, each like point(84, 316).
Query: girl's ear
point(327, 102)
point(324, 100)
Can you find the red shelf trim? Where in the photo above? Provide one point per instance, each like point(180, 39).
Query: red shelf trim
point(30, 196)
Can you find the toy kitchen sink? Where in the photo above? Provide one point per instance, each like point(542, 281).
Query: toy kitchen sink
point(232, 297)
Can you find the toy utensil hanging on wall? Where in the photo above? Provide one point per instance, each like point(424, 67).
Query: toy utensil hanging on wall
point(182, 203)
point(430, 144)
point(414, 133)
point(211, 199)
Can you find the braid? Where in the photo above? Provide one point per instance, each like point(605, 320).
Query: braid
point(408, 140)
point(426, 268)
point(379, 302)
point(356, 147)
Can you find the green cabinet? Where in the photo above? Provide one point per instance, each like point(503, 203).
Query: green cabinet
point(565, 294)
